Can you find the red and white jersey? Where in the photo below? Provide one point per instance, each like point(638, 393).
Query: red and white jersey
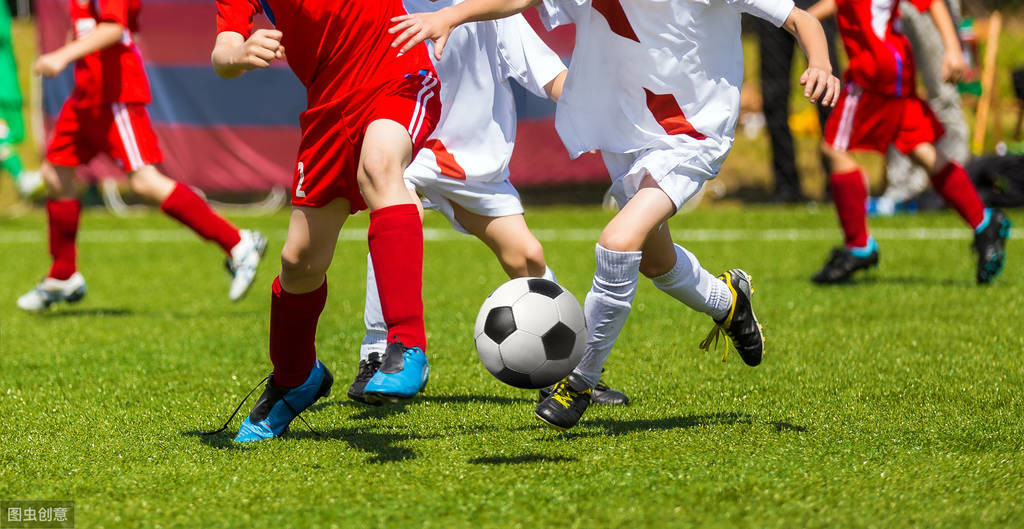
point(655, 74)
point(115, 73)
point(334, 47)
point(880, 56)
point(477, 131)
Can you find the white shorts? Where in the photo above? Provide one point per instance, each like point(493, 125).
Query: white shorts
point(488, 199)
point(666, 166)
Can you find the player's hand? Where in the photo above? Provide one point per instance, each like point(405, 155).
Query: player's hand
point(49, 65)
point(259, 50)
point(954, 67)
point(820, 85)
point(415, 28)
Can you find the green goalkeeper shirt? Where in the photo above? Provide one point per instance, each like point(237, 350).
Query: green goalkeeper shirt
point(10, 94)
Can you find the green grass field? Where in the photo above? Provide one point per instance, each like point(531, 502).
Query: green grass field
point(891, 403)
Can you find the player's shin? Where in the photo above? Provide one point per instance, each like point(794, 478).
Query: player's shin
point(395, 238)
point(954, 185)
point(63, 218)
point(850, 194)
point(376, 335)
point(293, 322)
point(606, 308)
point(185, 206)
point(694, 286)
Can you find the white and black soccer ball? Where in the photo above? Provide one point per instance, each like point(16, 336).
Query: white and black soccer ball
point(530, 333)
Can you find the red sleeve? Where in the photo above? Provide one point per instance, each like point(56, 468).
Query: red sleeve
point(921, 5)
point(236, 15)
point(114, 11)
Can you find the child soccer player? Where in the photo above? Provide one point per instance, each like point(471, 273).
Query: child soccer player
point(370, 110)
point(106, 113)
point(463, 171)
point(879, 107)
point(12, 124)
point(655, 87)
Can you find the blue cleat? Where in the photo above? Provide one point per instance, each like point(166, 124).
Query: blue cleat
point(403, 373)
point(278, 407)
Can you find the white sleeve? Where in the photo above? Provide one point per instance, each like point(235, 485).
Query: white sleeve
point(524, 56)
point(774, 11)
point(554, 13)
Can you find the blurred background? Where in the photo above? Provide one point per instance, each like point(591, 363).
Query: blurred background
point(214, 142)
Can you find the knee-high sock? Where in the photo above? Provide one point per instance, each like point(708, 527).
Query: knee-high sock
point(293, 319)
point(691, 284)
point(396, 249)
point(185, 206)
point(63, 218)
point(954, 184)
point(375, 339)
point(850, 194)
point(607, 307)
point(549, 274)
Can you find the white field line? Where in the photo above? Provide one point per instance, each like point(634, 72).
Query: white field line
point(551, 235)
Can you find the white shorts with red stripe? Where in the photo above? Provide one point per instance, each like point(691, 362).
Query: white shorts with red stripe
point(671, 169)
point(120, 130)
point(487, 199)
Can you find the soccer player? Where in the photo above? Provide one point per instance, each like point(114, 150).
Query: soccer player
point(12, 124)
point(463, 171)
point(370, 110)
point(879, 107)
point(106, 113)
point(655, 87)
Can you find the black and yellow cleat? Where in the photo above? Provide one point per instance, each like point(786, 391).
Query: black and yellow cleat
point(842, 264)
point(602, 394)
point(990, 245)
point(565, 405)
point(740, 324)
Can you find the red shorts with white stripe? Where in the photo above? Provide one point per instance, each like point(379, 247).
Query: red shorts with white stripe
point(120, 130)
point(332, 136)
point(870, 121)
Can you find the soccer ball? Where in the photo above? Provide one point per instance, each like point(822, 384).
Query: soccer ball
point(530, 333)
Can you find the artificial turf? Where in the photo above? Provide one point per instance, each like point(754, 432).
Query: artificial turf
point(892, 402)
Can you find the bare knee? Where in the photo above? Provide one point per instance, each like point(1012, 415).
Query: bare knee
point(841, 161)
point(150, 184)
point(59, 181)
point(379, 170)
point(301, 270)
point(618, 240)
point(526, 260)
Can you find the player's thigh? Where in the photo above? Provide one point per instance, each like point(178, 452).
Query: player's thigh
point(646, 210)
point(149, 183)
point(311, 240)
point(841, 161)
point(385, 153)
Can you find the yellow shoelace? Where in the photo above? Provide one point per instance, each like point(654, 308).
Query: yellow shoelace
point(716, 332)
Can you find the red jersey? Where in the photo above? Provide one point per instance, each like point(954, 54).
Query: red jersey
point(334, 47)
point(880, 56)
point(115, 73)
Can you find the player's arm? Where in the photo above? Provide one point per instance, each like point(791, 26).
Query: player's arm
point(818, 82)
point(234, 54)
point(953, 64)
point(554, 88)
point(413, 29)
point(106, 34)
point(823, 9)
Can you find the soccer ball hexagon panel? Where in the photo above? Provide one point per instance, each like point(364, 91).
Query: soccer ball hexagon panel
point(530, 333)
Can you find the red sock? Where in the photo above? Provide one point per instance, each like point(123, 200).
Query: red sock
point(396, 248)
point(293, 319)
point(187, 208)
point(850, 194)
point(63, 220)
point(953, 183)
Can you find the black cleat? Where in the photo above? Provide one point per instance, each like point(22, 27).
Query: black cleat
point(842, 264)
point(367, 368)
point(602, 394)
point(990, 245)
point(563, 408)
point(740, 324)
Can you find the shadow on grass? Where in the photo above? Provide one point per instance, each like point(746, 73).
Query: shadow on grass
point(874, 278)
point(521, 459)
point(615, 427)
point(383, 446)
point(367, 411)
point(92, 311)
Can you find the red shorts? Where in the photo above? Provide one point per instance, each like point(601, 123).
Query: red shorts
point(121, 130)
point(871, 121)
point(332, 136)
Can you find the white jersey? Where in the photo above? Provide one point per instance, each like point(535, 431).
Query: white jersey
point(655, 74)
point(477, 131)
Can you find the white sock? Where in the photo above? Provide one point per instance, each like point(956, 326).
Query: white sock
point(549, 274)
point(607, 307)
point(695, 286)
point(375, 340)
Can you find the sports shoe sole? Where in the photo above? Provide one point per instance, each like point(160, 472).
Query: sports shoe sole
point(994, 266)
point(548, 424)
point(376, 398)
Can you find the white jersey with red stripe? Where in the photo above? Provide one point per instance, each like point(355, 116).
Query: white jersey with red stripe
point(655, 74)
point(477, 131)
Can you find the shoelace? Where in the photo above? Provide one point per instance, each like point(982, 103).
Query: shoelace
point(366, 370)
point(249, 394)
point(716, 332)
